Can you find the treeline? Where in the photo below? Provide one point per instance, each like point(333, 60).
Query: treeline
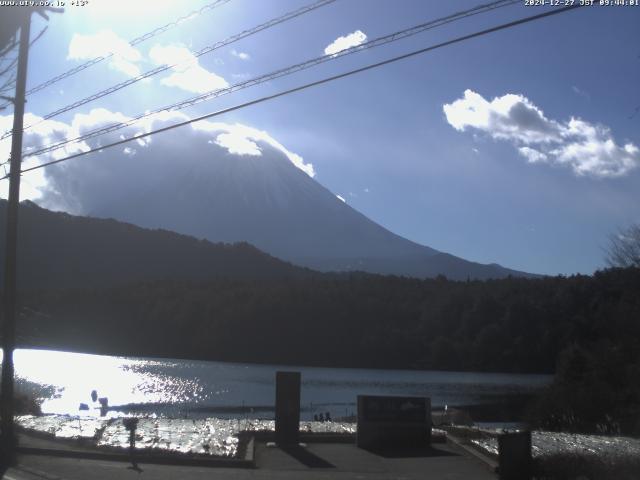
point(358, 320)
point(67, 251)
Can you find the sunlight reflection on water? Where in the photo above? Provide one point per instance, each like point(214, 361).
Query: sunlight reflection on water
point(122, 380)
point(199, 389)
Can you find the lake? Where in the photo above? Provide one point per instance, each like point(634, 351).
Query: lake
point(199, 389)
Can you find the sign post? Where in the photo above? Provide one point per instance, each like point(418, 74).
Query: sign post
point(514, 455)
point(394, 422)
point(287, 408)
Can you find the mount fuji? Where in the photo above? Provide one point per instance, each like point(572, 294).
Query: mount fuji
point(262, 198)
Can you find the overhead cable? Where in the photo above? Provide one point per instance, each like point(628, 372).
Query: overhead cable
point(309, 85)
point(277, 74)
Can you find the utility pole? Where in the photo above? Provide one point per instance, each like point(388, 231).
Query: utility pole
point(9, 440)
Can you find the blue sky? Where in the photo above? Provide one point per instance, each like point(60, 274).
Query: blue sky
point(520, 147)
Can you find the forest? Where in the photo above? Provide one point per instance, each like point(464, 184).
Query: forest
point(508, 325)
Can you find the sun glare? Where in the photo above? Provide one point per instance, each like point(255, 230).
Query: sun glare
point(132, 11)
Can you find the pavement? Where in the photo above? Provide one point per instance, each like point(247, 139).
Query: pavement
point(338, 461)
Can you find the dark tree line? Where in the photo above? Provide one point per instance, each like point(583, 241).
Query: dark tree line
point(349, 320)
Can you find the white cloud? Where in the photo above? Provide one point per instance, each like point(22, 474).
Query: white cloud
point(341, 198)
point(241, 140)
point(187, 74)
point(125, 57)
point(532, 155)
point(241, 76)
point(47, 132)
point(587, 148)
point(591, 149)
point(240, 55)
point(97, 117)
point(124, 66)
point(342, 43)
point(80, 185)
point(510, 117)
point(238, 144)
point(580, 92)
point(172, 54)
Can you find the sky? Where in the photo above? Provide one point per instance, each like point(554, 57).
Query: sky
point(521, 147)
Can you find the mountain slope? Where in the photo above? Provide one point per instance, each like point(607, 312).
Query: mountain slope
point(60, 250)
point(266, 201)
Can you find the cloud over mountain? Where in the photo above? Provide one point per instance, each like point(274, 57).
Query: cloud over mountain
point(81, 184)
point(589, 149)
point(187, 73)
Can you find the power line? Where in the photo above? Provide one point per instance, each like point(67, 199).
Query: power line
point(310, 85)
point(10, 84)
point(281, 73)
point(199, 53)
point(134, 42)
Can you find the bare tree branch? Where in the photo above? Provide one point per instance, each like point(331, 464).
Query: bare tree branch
point(8, 84)
point(624, 248)
point(7, 48)
point(9, 25)
point(8, 67)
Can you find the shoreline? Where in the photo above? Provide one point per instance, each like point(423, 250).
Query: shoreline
point(180, 441)
point(210, 437)
point(320, 364)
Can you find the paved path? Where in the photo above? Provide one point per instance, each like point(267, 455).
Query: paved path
point(316, 461)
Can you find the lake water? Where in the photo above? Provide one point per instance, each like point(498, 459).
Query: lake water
point(199, 389)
